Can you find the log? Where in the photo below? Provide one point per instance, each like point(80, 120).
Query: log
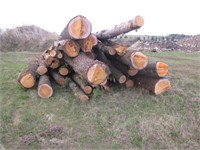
point(55, 63)
point(71, 48)
point(45, 89)
point(88, 43)
point(59, 54)
point(94, 71)
point(129, 83)
point(28, 76)
point(82, 83)
point(106, 49)
point(78, 92)
point(121, 78)
point(42, 68)
point(154, 85)
point(57, 77)
point(48, 59)
point(63, 70)
point(155, 69)
point(122, 28)
point(78, 27)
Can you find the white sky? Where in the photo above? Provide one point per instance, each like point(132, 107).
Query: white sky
point(161, 16)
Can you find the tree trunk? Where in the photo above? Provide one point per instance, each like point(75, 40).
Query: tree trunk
point(71, 48)
point(88, 43)
point(106, 49)
point(155, 69)
point(121, 78)
point(48, 59)
point(94, 71)
point(129, 83)
point(57, 78)
point(42, 68)
point(78, 27)
point(78, 92)
point(63, 70)
point(122, 28)
point(59, 54)
point(28, 76)
point(44, 87)
point(55, 63)
point(83, 84)
point(154, 85)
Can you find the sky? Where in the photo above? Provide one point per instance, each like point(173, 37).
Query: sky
point(161, 17)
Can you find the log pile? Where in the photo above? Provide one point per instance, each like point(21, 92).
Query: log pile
point(86, 60)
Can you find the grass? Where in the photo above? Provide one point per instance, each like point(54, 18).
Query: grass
point(121, 119)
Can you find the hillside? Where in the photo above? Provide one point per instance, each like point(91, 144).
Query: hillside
point(26, 38)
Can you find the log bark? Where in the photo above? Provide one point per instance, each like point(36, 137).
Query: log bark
point(106, 49)
point(122, 28)
point(78, 92)
point(78, 27)
point(42, 68)
point(28, 76)
point(82, 83)
point(94, 71)
point(121, 78)
point(71, 48)
point(57, 77)
point(45, 89)
point(154, 85)
point(88, 43)
point(155, 69)
point(63, 70)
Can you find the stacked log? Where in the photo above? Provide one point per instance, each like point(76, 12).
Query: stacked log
point(93, 60)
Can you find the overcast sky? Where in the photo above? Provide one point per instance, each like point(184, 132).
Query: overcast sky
point(161, 17)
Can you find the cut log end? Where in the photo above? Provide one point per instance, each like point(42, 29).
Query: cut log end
point(87, 89)
point(162, 86)
point(41, 70)
point(139, 21)
point(129, 83)
point(63, 71)
point(97, 74)
point(122, 79)
point(162, 69)
point(121, 50)
point(89, 42)
point(139, 60)
point(27, 81)
point(132, 72)
point(45, 91)
point(79, 27)
point(71, 48)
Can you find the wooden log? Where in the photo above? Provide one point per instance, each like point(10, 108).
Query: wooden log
point(28, 76)
point(52, 52)
point(119, 48)
point(71, 48)
point(154, 85)
point(42, 68)
point(78, 92)
point(155, 69)
point(63, 70)
point(78, 27)
point(106, 49)
point(59, 54)
point(57, 77)
point(45, 89)
point(88, 43)
point(55, 63)
point(122, 28)
point(121, 78)
point(129, 83)
point(94, 71)
point(48, 59)
point(82, 83)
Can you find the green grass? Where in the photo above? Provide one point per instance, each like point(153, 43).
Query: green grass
point(121, 119)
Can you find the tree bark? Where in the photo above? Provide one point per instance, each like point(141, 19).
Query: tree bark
point(122, 28)
point(94, 71)
point(71, 48)
point(78, 92)
point(155, 69)
point(88, 43)
point(57, 77)
point(28, 76)
point(42, 68)
point(45, 89)
point(153, 85)
point(78, 27)
point(83, 84)
point(106, 49)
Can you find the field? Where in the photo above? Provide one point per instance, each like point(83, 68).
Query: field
point(121, 119)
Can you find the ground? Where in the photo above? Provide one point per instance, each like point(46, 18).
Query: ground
point(121, 119)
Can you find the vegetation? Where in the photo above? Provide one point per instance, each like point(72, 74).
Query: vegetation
point(122, 119)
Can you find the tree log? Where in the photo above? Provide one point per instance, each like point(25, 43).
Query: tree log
point(153, 85)
point(71, 48)
point(129, 83)
point(42, 68)
point(78, 92)
point(57, 77)
point(44, 87)
point(106, 49)
point(88, 43)
point(78, 27)
point(48, 59)
point(94, 71)
point(155, 69)
point(28, 76)
point(122, 28)
point(63, 70)
point(55, 63)
point(83, 84)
